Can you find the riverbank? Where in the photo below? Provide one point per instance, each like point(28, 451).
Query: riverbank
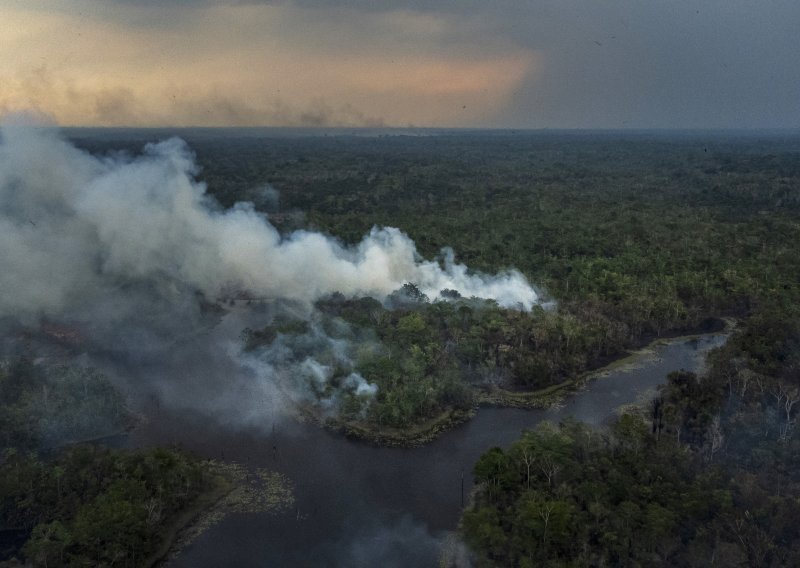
point(175, 532)
point(542, 398)
point(235, 489)
point(359, 504)
point(494, 396)
point(384, 436)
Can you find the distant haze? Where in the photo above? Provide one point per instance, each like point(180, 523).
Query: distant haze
point(507, 63)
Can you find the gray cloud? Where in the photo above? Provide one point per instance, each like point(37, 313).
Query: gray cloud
point(626, 63)
point(616, 63)
point(677, 64)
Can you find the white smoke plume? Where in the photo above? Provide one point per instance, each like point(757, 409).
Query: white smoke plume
point(314, 368)
point(76, 226)
point(124, 248)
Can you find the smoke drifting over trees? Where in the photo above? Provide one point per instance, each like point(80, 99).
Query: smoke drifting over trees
point(77, 227)
point(131, 251)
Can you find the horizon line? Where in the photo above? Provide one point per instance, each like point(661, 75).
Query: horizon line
point(438, 128)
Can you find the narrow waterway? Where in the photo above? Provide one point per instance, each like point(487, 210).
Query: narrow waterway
point(359, 505)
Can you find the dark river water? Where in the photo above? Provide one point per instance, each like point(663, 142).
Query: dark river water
point(359, 505)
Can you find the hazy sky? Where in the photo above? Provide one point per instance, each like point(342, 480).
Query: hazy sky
point(474, 63)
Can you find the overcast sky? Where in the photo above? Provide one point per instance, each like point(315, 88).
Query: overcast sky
point(473, 63)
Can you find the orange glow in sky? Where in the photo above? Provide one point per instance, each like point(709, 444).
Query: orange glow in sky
point(250, 65)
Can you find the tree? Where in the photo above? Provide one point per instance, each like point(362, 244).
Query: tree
point(47, 544)
point(491, 468)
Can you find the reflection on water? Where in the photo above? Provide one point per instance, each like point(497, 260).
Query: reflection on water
point(359, 505)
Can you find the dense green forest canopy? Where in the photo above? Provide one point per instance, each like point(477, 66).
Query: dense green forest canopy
point(634, 235)
point(95, 507)
point(707, 474)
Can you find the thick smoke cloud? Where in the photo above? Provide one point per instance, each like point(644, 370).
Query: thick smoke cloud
point(77, 227)
point(132, 253)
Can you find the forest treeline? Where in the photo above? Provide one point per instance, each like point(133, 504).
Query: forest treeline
point(708, 474)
